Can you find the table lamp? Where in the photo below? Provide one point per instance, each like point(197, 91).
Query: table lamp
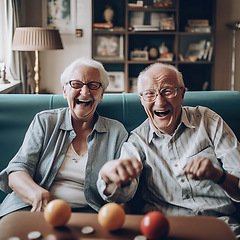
point(36, 39)
point(234, 26)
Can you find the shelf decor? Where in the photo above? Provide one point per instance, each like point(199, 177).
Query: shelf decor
point(109, 47)
point(178, 32)
point(116, 82)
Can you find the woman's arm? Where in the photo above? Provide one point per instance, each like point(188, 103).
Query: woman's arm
point(30, 192)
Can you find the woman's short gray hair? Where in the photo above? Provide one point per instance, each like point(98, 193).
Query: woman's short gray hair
point(179, 74)
point(83, 61)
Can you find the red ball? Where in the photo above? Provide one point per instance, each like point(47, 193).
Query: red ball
point(154, 225)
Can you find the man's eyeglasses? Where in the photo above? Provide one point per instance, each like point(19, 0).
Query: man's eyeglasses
point(76, 84)
point(151, 94)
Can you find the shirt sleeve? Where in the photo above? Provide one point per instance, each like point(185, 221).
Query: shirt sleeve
point(122, 193)
point(119, 193)
point(27, 157)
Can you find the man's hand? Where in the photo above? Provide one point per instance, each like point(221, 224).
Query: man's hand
point(121, 171)
point(202, 168)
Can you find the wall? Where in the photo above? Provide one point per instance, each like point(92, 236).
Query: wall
point(227, 11)
point(54, 62)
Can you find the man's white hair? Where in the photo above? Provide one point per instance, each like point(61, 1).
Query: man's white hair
point(169, 66)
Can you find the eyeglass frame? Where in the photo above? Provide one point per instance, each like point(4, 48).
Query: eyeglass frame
point(160, 92)
point(87, 84)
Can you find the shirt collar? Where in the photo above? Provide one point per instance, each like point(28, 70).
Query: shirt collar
point(185, 119)
point(67, 122)
point(99, 126)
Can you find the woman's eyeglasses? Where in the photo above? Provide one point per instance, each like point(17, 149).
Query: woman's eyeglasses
point(76, 84)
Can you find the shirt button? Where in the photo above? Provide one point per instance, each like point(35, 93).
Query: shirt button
point(182, 180)
point(176, 165)
point(187, 196)
point(87, 171)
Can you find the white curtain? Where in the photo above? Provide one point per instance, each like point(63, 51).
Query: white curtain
point(10, 18)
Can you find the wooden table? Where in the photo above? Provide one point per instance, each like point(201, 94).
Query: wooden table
point(20, 223)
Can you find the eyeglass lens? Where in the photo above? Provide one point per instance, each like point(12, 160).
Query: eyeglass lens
point(151, 95)
point(79, 84)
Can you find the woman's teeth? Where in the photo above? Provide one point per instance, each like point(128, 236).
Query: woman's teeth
point(82, 101)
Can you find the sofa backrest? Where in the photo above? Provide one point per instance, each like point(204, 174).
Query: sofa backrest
point(18, 110)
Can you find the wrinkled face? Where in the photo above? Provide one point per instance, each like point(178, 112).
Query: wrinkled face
point(164, 113)
point(83, 101)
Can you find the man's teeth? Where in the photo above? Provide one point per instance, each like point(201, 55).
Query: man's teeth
point(161, 114)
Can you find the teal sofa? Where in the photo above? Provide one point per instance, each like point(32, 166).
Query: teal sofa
point(18, 110)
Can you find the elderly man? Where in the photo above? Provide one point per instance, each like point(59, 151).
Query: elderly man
point(188, 158)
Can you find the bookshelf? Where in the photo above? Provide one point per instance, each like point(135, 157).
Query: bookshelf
point(178, 32)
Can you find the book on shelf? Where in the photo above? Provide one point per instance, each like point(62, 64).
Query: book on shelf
point(205, 86)
point(199, 51)
point(103, 25)
point(202, 29)
point(210, 54)
point(145, 28)
point(207, 48)
point(198, 22)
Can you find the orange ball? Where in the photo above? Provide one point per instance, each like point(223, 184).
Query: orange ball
point(57, 212)
point(111, 216)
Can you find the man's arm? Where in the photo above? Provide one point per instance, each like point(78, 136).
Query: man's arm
point(118, 179)
point(202, 168)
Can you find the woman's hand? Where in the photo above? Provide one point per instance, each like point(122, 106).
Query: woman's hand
point(30, 192)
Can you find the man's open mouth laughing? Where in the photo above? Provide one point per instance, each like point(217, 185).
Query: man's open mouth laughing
point(161, 113)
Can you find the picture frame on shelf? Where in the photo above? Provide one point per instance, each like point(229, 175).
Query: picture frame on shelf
point(108, 47)
point(59, 14)
point(137, 55)
point(116, 82)
point(133, 85)
point(195, 51)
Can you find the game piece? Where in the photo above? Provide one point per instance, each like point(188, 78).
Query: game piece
point(14, 238)
point(51, 237)
point(154, 225)
point(87, 230)
point(111, 216)
point(34, 235)
point(57, 212)
point(140, 237)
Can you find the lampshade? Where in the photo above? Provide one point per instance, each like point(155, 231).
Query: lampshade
point(36, 38)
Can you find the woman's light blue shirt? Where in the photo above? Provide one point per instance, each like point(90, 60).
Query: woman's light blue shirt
point(44, 148)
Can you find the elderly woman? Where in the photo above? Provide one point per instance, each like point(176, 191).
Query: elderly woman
point(64, 148)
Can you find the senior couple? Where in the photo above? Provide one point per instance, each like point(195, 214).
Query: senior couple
point(180, 160)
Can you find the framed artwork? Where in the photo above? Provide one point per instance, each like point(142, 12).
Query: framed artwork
point(108, 47)
point(59, 14)
point(116, 82)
